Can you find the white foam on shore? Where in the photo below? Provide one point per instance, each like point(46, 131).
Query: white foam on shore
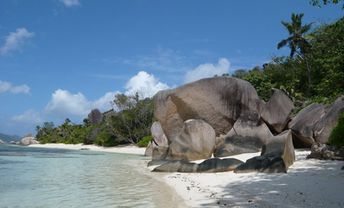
point(128, 149)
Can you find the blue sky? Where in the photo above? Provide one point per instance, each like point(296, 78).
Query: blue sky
point(61, 58)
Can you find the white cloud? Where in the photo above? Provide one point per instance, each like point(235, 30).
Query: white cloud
point(64, 104)
point(70, 3)
point(15, 89)
point(28, 117)
point(16, 40)
point(208, 70)
point(104, 102)
point(145, 84)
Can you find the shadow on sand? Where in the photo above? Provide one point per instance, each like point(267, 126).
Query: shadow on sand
point(308, 183)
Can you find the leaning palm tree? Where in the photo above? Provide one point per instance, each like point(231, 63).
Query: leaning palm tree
point(297, 42)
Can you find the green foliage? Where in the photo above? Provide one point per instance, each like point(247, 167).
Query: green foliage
point(131, 123)
point(324, 64)
point(65, 133)
point(327, 59)
point(259, 80)
point(319, 3)
point(135, 119)
point(296, 41)
point(105, 138)
point(145, 141)
point(322, 60)
point(337, 134)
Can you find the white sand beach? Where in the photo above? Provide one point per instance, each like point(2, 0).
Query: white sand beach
point(127, 149)
point(308, 183)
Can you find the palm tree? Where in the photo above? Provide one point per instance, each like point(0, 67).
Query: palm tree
point(297, 42)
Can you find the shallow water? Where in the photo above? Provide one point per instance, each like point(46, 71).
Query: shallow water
point(40, 177)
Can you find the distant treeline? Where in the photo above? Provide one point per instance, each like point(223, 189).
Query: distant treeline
point(129, 124)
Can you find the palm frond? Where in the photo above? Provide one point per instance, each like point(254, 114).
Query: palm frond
point(288, 26)
point(306, 28)
point(282, 43)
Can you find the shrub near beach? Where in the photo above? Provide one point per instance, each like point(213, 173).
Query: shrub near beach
point(337, 135)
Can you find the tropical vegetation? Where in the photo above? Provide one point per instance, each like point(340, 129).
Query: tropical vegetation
point(313, 72)
point(129, 123)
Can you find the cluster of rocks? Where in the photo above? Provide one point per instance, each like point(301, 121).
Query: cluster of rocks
point(28, 141)
point(315, 122)
point(325, 152)
point(224, 116)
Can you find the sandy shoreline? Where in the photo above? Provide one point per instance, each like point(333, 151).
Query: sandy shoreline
point(128, 149)
point(140, 166)
point(308, 183)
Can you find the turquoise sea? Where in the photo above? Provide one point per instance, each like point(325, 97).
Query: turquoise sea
point(41, 177)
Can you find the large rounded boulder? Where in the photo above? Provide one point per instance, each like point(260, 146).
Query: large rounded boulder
point(303, 123)
point(195, 141)
point(325, 125)
point(219, 101)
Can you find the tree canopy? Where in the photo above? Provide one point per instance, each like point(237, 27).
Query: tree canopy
point(326, 67)
point(129, 124)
